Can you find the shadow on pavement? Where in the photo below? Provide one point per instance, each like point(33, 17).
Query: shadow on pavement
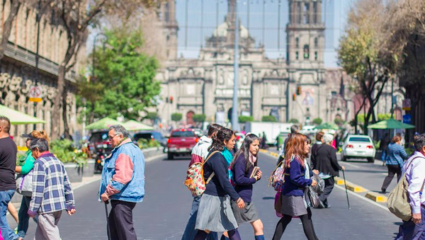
point(268, 198)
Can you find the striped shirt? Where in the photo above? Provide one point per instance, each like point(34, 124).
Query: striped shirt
point(51, 187)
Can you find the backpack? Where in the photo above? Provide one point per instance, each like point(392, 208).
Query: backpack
point(195, 181)
point(277, 177)
point(398, 199)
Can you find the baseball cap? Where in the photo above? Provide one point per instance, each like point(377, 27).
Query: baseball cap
point(27, 135)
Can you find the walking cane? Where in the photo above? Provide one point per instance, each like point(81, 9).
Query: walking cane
point(107, 220)
point(346, 191)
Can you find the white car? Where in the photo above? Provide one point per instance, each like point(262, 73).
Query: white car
point(358, 146)
point(239, 140)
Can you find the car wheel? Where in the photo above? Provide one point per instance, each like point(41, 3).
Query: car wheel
point(170, 156)
point(371, 160)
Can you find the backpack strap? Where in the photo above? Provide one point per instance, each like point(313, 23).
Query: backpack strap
point(212, 174)
point(411, 161)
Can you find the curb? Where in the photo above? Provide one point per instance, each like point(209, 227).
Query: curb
point(273, 154)
point(350, 186)
point(376, 197)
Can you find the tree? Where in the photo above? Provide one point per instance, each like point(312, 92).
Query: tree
point(199, 118)
point(317, 121)
point(76, 16)
point(133, 87)
point(14, 6)
point(268, 119)
point(338, 121)
point(244, 119)
point(176, 117)
point(364, 53)
point(293, 120)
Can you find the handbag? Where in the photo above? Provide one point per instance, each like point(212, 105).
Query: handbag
point(24, 184)
point(313, 198)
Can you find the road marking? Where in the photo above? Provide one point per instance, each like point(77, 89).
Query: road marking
point(364, 198)
point(349, 164)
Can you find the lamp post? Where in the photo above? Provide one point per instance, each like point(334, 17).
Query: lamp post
point(37, 56)
point(235, 123)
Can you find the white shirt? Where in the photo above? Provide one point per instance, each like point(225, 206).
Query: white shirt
point(415, 176)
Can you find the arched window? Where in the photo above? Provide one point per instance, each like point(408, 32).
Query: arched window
point(316, 42)
point(297, 42)
point(306, 52)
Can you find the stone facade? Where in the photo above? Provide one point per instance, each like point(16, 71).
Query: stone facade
point(18, 73)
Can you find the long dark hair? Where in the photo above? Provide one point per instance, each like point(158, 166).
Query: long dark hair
point(249, 139)
point(213, 129)
point(222, 135)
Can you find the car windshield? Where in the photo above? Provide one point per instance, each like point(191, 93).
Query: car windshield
point(183, 134)
point(359, 139)
point(98, 137)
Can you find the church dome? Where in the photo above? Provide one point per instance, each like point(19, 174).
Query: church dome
point(222, 29)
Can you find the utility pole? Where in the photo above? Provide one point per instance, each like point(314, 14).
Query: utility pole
point(235, 120)
point(37, 56)
point(392, 97)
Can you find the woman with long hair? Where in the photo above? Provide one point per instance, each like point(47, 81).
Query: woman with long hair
point(215, 211)
point(26, 167)
point(297, 179)
point(243, 165)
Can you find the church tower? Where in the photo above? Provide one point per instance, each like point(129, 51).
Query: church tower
point(171, 28)
point(305, 34)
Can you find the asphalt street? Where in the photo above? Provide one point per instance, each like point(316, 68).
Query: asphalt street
point(163, 214)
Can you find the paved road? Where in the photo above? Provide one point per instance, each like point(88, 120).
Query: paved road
point(164, 212)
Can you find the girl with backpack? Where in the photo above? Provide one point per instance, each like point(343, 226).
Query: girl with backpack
point(215, 211)
point(297, 178)
point(243, 165)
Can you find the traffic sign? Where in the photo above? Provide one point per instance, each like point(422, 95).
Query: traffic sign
point(406, 104)
point(407, 118)
point(35, 94)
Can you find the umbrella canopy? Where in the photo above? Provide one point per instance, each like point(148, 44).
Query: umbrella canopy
point(390, 124)
point(330, 126)
point(17, 118)
point(136, 126)
point(103, 123)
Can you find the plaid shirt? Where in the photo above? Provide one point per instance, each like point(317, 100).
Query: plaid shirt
point(51, 187)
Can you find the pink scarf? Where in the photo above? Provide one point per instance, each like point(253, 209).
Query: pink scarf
point(252, 159)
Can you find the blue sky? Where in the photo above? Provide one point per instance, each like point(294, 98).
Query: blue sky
point(197, 22)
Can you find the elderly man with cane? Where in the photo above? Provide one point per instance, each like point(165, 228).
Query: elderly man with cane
point(122, 183)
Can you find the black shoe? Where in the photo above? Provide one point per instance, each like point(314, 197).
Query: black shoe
point(383, 190)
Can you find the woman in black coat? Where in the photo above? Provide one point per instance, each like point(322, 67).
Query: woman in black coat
point(323, 158)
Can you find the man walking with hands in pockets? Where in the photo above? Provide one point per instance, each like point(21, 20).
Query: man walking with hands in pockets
point(414, 229)
point(123, 182)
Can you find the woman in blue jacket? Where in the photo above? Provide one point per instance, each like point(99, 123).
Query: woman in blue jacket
point(242, 167)
point(395, 161)
point(297, 179)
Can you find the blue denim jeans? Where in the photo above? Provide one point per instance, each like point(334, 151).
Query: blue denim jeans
point(24, 217)
point(6, 232)
point(190, 231)
point(411, 231)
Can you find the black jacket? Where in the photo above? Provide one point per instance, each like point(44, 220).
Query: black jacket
point(323, 158)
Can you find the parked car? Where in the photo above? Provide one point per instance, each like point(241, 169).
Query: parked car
point(149, 135)
point(99, 147)
point(181, 142)
point(358, 146)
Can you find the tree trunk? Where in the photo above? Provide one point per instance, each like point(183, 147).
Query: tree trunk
point(64, 115)
point(58, 99)
point(7, 26)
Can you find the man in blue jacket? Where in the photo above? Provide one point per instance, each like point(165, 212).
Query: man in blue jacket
point(123, 182)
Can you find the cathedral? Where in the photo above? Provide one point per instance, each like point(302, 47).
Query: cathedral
point(291, 88)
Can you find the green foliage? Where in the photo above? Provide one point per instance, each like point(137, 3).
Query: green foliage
point(268, 119)
point(199, 118)
point(244, 119)
point(338, 121)
point(67, 153)
point(293, 120)
point(384, 116)
point(317, 121)
point(144, 143)
point(176, 117)
point(152, 115)
point(125, 78)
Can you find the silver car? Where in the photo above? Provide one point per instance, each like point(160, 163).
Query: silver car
point(358, 146)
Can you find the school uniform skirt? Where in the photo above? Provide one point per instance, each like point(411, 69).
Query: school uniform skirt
point(247, 214)
point(215, 214)
point(294, 205)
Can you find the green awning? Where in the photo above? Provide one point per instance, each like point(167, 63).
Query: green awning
point(136, 126)
point(390, 124)
point(103, 123)
point(330, 126)
point(17, 118)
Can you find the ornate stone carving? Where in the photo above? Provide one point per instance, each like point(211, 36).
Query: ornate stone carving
point(28, 84)
point(4, 80)
point(51, 93)
point(15, 84)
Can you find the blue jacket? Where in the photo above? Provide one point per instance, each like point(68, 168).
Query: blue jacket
point(123, 176)
point(395, 155)
point(295, 181)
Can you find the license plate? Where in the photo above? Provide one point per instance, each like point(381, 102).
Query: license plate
point(359, 152)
